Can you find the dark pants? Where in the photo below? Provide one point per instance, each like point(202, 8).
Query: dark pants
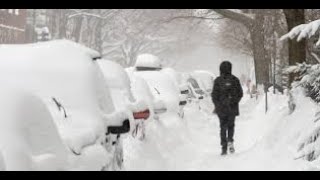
point(226, 129)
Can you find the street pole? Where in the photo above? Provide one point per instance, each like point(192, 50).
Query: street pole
point(266, 94)
point(266, 102)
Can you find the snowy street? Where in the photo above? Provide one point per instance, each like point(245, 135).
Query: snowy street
point(197, 145)
point(160, 90)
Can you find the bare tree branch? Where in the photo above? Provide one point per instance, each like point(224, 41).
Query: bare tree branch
point(239, 17)
point(191, 17)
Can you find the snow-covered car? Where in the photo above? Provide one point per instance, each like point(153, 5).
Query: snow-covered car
point(175, 75)
point(196, 93)
point(29, 138)
point(184, 92)
point(180, 84)
point(69, 82)
point(120, 89)
point(205, 80)
point(149, 68)
point(141, 91)
point(201, 85)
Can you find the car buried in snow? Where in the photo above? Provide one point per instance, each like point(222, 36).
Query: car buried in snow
point(177, 78)
point(119, 83)
point(149, 68)
point(196, 93)
point(201, 84)
point(29, 139)
point(205, 80)
point(142, 91)
point(75, 92)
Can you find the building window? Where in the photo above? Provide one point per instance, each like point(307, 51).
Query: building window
point(16, 12)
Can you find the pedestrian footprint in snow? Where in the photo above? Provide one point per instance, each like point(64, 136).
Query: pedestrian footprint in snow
point(226, 95)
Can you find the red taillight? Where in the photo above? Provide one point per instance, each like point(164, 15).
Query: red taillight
point(141, 115)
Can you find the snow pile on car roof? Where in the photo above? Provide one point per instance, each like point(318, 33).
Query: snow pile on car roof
point(148, 61)
point(112, 71)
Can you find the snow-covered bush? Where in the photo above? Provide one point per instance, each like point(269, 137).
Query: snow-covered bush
point(309, 146)
point(309, 79)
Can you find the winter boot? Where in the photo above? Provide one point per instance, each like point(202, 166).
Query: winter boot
point(224, 152)
point(231, 147)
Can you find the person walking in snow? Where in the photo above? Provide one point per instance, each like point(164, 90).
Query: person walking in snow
point(226, 95)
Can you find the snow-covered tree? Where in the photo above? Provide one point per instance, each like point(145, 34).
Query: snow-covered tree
point(308, 76)
point(235, 36)
point(121, 34)
point(253, 20)
point(300, 33)
point(303, 31)
point(158, 32)
point(309, 145)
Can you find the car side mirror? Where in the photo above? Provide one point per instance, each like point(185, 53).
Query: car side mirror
point(119, 129)
point(96, 58)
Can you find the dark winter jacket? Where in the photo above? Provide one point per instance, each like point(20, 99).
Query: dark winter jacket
point(227, 91)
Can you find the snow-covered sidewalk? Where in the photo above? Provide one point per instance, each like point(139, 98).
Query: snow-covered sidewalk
point(194, 144)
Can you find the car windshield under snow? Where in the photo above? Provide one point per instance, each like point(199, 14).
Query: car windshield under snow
point(194, 83)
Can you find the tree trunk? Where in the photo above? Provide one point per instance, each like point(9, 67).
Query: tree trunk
point(98, 35)
point(77, 28)
point(274, 58)
point(62, 24)
point(259, 53)
point(255, 26)
point(297, 50)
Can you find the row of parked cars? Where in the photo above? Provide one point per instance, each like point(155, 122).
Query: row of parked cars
point(73, 108)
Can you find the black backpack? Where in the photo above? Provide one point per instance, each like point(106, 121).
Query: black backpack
point(227, 90)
